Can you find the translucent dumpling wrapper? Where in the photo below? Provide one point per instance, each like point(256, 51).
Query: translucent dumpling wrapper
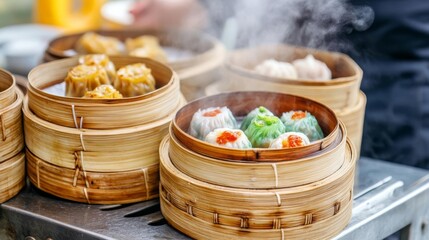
point(274, 68)
point(101, 60)
point(290, 140)
point(91, 42)
point(263, 130)
point(310, 68)
point(304, 122)
point(251, 115)
point(146, 46)
point(103, 92)
point(134, 80)
point(206, 120)
point(83, 78)
point(230, 138)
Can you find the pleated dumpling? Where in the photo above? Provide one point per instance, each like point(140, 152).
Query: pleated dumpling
point(206, 120)
point(274, 68)
point(83, 78)
point(230, 138)
point(91, 42)
point(304, 122)
point(263, 130)
point(290, 140)
point(310, 68)
point(103, 92)
point(101, 60)
point(133, 80)
point(252, 114)
point(146, 46)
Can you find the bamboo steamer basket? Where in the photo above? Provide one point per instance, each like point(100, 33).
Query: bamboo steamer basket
point(195, 72)
point(12, 176)
point(318, 210)
point(353, 118)
point(11, 135)
point(339, 93)
point(93, 187)
point(102, 113)
point(7, 88)
point(241, 103)
point(111, 150)
point(258, 175)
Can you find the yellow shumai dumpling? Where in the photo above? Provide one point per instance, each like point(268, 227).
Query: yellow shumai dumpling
point(146, 46)
point(133, 80)
point(103, 92)
point(101, 60)
point(83, 78)
point(94, 43)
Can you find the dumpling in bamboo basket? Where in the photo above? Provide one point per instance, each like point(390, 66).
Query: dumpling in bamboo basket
point(206, 120)
point(252, 114)
point(274, 68)
point(230, 138)
point(263, 130)
point(101, 60)
point(133, 80)
point(83, 78)
point(146, 46)
point(310, 68)
point(290, 140)
point(103, 92)
point(304, 122)
point(91, 42)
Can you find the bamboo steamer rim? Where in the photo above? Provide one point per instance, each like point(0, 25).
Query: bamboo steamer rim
point(253, 154)
point(16, 104)
point(307, 82)
point(348, 165)
point(73, 61)
point(358, 107)
point(132, 33)
point(8, 79)
point(91, 132)
point(259, 175)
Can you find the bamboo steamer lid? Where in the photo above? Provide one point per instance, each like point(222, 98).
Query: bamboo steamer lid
point(111, 150)
point(258, 175)
point(7, 88)
point(12, 176)
point(102, 113)
point(320, 209)
point(93, 187)
point(11, 135)
point(339, 93)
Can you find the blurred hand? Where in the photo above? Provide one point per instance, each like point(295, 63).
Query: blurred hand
point(161, 14)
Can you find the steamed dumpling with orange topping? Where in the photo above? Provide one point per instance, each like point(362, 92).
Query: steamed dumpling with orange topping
point(83, 78)
point(206, 120)
point(304, 122)
point(290, 140)
point(310, 68)
point(227, 137)
point(133, 80)
point(274, 68)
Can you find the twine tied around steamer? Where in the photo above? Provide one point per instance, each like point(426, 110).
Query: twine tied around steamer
point(3, 128)
point(79, 155)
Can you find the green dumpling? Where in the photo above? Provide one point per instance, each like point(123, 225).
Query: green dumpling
point(304, 122)
point(250, 116)
point(263, 129)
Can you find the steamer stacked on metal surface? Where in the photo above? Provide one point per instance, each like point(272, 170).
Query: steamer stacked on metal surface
point(195, 71)
point(102, 151)
point(340, 94)
point(211, 192)
point(12, 159)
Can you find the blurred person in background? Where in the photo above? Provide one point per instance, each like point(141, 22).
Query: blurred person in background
point(393, 53)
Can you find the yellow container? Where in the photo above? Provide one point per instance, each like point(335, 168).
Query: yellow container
point(70, 15)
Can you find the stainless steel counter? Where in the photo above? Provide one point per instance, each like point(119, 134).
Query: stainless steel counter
point(388, 197)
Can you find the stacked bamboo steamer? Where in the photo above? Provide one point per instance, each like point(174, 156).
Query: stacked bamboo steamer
point(211, 192)
point(196, 71)
point(100, 151)
point(12, 159)
point(341, 94)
